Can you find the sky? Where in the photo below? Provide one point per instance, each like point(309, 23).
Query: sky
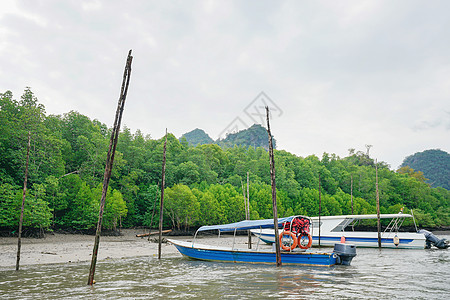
point(336, 75)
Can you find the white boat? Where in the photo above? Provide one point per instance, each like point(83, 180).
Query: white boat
point(335, 229)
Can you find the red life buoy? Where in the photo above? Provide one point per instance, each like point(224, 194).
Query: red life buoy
point(300, 244)
point(294, 239)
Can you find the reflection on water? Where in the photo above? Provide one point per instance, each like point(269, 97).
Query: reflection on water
point(389, 273)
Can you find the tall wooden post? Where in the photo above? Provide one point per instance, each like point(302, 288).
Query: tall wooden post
point(274, 192)
point(19, 240)
point(351, 191)
point(161, 204)
point(248, 213)
point(378, 205)
point(245, 200)
point(320, 206)
point(110, 161)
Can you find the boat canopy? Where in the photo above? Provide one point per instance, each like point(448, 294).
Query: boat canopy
point(248, 224)
point(364, 217)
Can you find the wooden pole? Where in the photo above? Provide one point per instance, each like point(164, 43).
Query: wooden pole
point(274, 192)
point(245, 200)
point(351, 191)
point(248, 213)
point(320, 206)
point(161, 204)
point(110, 161)
point(19, 240)
point(378, 205)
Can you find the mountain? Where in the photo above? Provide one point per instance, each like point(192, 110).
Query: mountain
point(197, 137)
point(435, 165)
point(255, 136)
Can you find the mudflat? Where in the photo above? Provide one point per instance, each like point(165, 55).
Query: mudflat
point(70, 248)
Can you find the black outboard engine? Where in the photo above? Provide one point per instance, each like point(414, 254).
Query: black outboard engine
point(345, 253)
point(434, 240)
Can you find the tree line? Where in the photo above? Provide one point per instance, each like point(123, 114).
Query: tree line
point(204, 184)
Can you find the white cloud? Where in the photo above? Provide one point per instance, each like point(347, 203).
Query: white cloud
point(345, 73)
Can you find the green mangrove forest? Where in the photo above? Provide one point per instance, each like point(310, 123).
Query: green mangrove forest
point(205, 183)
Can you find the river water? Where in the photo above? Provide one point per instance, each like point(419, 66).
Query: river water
point(374, 274)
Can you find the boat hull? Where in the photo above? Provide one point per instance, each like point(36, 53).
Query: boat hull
point(407, 240)
point(222, 254)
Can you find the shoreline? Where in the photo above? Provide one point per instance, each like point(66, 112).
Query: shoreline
point(61, 248)
point(72, 248)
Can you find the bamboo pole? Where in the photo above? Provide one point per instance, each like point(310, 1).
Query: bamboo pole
point(161, 204)
point(248, 213)
point(110, 161)
point(274, 192)
point(320, 206)
point(19, 240)
point(378, 205)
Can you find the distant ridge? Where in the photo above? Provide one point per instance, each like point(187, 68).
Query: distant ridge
point(254, 136)
point(435, 165)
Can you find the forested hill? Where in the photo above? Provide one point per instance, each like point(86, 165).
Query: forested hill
point(254, 136)
point(197, 137)
point(435, 165)
point(203, 183)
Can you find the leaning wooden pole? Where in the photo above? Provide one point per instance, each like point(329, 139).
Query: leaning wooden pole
point(274, 192)
point(19, 240)
point(378, 205)
point(110, 161)
point(161, 204)
point(248, 213)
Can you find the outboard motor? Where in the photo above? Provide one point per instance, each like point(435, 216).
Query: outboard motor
point(431, 240)
point(345, 253)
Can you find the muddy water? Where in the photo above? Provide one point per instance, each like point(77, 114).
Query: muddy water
point(374, 274)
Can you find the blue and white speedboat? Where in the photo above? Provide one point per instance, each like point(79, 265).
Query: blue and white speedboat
point(334, 229)
point(262, 253)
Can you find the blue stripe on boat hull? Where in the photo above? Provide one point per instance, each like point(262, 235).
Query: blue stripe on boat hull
point(316, 259)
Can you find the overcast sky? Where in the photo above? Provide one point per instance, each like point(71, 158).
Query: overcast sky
point(336, 74)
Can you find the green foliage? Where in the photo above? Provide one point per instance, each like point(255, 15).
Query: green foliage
point(205, 183)
point(10, 204)
point(434, 165)
point(82, 209)
point(37, 213)
point(181, 206)
point(115, 209)
point(254, 136)
point(197, 137)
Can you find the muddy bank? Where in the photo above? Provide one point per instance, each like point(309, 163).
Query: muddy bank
point(64, 248)
point(72, 248)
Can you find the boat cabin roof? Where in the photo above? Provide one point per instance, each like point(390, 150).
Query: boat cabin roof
point(249, 224)
point(364, 217)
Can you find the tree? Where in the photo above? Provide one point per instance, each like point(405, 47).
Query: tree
point(115, 210)
point(181, 206)
point(10, 199)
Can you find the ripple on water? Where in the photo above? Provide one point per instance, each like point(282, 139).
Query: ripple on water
point(389, 273)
